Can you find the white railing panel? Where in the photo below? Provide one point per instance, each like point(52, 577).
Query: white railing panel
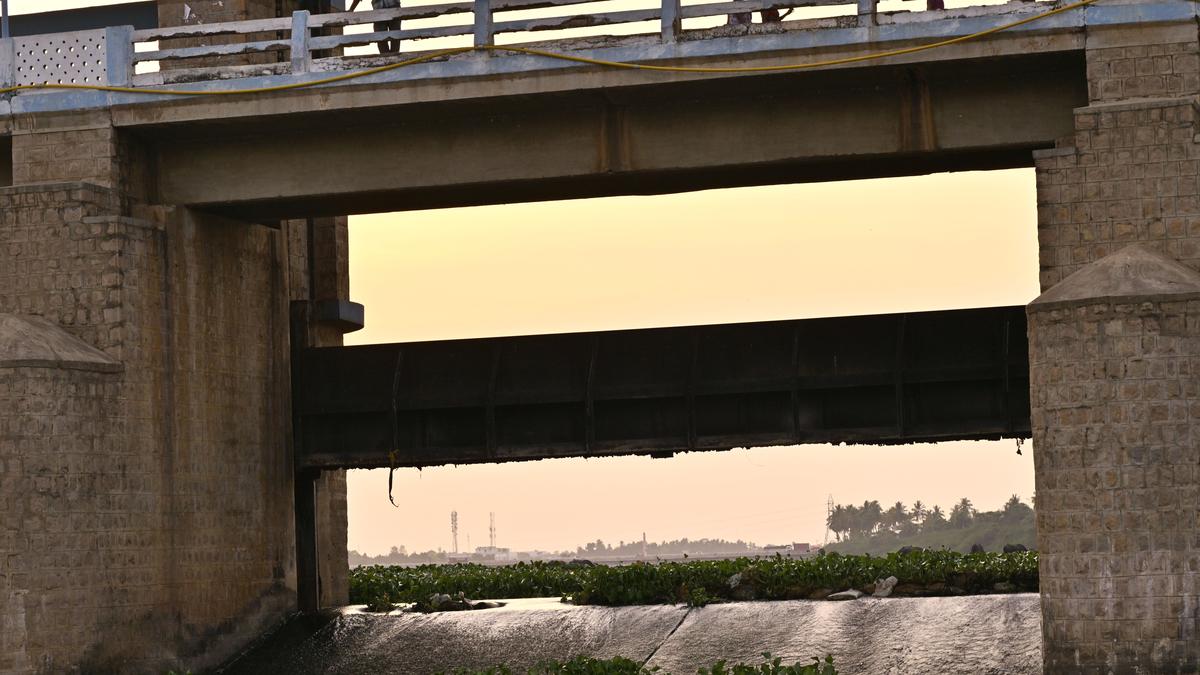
point(61, 58)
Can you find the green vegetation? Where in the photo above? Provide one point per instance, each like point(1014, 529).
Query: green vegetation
point(584, 665)
point(871, 529)
point(701, 582)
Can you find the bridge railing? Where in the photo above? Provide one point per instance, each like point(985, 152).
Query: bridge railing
point(304, 43)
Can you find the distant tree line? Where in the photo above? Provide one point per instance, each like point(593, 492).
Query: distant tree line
point(633, 549)
point(849, 522)
point(397, 556)
point(599, 549)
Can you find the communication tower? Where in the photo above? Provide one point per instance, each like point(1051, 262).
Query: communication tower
point(454, 530)
point(492, 529)
point(828, 516)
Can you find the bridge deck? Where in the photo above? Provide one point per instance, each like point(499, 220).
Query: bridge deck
point(487, 127)
point(292, 55)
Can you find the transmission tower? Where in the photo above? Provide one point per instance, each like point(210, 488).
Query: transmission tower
point(828, 517)
point(492, 529)
point(454, 529)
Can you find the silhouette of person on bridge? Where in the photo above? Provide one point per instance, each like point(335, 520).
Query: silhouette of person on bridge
point(746, 18)
point(388, 45)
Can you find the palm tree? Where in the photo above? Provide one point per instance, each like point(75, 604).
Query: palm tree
point(918, 511)
point(837, 521)
point(962, 514)
point(896, 517)
point(850, 518)
point(1015, 509)
point(934, 520)
point(870, 516)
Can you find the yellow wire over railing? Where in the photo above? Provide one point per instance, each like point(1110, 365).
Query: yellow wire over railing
point(873, 56)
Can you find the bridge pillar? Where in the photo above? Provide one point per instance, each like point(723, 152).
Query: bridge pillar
point(1114, 343)
point(146, 525)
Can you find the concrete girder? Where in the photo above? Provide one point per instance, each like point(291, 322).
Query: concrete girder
point(642, 140)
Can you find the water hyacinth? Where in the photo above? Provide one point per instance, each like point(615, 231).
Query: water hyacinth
point(701, 581)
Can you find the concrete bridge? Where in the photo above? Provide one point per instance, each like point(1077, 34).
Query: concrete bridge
point(173, 272)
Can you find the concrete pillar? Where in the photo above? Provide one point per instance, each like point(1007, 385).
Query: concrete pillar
point(159, 536)
point(319, 275)
point(320, 272)
point(1113, 343)
point(1115, 384)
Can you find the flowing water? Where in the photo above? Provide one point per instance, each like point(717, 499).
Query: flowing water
point(968, 635)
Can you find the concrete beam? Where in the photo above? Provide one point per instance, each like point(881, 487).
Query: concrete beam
point(663, 138)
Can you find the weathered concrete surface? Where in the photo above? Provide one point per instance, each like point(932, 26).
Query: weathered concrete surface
point(1134, 271)
point(967, 635)
point(521, 634)
point(885, 120)
point(972, 635)
point(33, 342)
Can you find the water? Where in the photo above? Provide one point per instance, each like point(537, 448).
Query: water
point(968, 635)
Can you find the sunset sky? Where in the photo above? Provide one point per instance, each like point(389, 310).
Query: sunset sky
point(782, 252)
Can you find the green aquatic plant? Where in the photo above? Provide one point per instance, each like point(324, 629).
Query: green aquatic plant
point(773, 666)
point(701, 582)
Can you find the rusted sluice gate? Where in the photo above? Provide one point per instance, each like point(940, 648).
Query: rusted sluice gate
point(884, 379)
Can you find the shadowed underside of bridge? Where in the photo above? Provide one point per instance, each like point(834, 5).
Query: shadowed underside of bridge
point(885, 379)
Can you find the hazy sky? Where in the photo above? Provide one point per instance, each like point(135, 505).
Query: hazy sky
point(937, 242)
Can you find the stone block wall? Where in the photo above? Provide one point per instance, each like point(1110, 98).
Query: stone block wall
point(1116, 410)
point(1129, 174)
point(77, 531)
point(182, 493)
point(147, 515)
point(1113, 397)
point(1140, 70)
point(88, 155)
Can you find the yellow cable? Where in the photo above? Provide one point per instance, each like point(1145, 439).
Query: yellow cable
point(562, 57)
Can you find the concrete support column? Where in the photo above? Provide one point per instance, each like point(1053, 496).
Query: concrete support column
point(1115, 382)
point(166, 500)
point(319, 272)
point(1113, 349)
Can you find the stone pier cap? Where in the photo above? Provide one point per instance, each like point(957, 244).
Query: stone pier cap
point(34, 342)
point(1134, 272)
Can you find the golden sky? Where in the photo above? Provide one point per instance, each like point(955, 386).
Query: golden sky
point(797, 251)
point(935, 242)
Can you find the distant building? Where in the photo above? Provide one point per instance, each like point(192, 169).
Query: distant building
point(494, 553)
point(802, 548)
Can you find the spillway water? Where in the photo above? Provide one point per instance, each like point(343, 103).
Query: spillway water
point(968, 635)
